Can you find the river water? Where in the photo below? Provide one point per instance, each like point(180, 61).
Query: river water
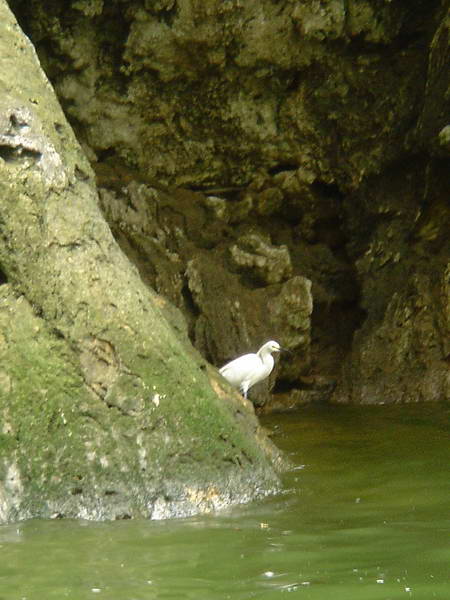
point(364, 515)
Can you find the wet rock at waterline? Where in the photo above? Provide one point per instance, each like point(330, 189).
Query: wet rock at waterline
point(106, 410)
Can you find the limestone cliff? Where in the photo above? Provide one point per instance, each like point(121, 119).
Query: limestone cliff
point(312, 142)
point(106, 411)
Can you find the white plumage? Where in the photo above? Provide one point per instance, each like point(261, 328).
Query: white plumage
point(243, 372)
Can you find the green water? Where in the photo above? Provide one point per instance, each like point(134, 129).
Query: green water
point(364, 516)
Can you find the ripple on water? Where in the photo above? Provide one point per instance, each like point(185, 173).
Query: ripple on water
point(364, 516)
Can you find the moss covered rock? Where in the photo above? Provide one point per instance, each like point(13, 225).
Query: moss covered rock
point(321, 127)
point(106, 411)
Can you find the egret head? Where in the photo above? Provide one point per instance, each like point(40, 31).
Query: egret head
point(272, 346)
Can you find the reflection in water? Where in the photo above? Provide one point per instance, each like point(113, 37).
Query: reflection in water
point(364, 516)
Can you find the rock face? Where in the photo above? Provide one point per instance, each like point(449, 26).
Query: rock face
point(236, 290)
point(106, 410)
point(317, 133)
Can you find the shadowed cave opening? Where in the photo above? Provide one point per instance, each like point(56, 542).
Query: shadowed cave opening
point(3, 278)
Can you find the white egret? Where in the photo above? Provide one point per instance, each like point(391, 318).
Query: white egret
point(243, 372)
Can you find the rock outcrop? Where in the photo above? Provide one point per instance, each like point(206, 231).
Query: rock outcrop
point(106, 410)
point(310, 133)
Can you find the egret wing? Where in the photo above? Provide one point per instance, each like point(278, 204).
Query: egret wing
point(241, 369)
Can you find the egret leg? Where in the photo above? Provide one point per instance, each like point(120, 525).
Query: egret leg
point(244, 390)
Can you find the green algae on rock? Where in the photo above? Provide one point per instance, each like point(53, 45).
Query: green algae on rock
point(106, 411)
point(320, 126)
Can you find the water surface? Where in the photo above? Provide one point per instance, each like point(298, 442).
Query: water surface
point(364, 516)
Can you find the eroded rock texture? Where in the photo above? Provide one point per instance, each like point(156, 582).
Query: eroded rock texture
point(106, 410)
point(234, 289)
point(318, 134)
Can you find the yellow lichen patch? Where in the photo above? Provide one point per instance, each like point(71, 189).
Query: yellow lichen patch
point(218, 389)
point(200, 496)
point(235, 395)
point(159, 301)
